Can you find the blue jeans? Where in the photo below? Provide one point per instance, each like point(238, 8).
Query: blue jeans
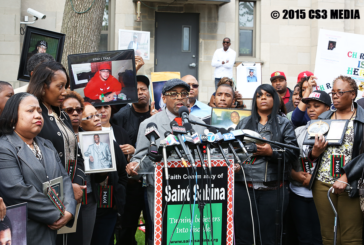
point(104, 229)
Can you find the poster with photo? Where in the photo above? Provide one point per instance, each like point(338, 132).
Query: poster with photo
point(104, 78)
point(248, 79)
point(139, 41)
point(97, 148)
point(227, 117)
point(158, 80)
point(13, 229)
point(339, 53)
point(38, 40)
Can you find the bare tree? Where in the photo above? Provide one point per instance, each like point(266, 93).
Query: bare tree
point(82, 22)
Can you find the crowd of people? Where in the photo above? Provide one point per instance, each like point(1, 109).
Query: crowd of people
point(39, 140)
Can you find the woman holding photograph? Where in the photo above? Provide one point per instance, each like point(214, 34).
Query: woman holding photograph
point(27, 161)
point(344, 92)
point(73, 105)
point(106, 217)
point(262, 176)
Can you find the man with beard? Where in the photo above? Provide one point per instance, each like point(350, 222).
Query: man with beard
point(130, 117)
point(102, 83)
point(175, 93)
point(279, 83)
point(198, 108)
point(224, 98)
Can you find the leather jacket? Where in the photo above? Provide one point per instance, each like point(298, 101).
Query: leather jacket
point(355, 165)
point(265, 169)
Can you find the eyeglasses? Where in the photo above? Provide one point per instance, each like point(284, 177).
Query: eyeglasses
point(92, 116)
point(71, 110)
point(105, 106)
point(339, 94)
point(225, 42)
point(174, 95)
point(194, 85)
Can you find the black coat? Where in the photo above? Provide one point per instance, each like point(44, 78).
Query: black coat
point(50, 131)
point(129, 119)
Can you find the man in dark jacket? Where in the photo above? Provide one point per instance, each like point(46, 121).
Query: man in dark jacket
point(130, 117)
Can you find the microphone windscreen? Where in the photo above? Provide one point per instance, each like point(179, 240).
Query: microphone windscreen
point(206, 131)
point(213, 130)
point(182, 110)
point(173, 123)
point(223, 131)
point(152, 124)
point(188, 126)
point(231, 129)
point(167, 133)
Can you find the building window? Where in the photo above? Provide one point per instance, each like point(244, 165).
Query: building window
point(103, 45)
point(247, 28)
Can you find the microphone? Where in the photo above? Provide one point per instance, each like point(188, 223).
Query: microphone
point(151, 132)
point(197, 141)
point(165, 162)
point(229, 136)
point(183, 113)
point(178, 131)
point(172, 141)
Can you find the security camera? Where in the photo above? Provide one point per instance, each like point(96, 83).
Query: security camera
point(36, 14)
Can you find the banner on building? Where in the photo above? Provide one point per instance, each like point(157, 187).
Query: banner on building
point(339, 53)
point(175, 203)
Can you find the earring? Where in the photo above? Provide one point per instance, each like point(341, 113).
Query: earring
point(43, 93)
point(332, 108)
point(13, 127)
point(352, 106)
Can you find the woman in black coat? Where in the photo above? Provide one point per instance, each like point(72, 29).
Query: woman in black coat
point(106, 217)
point(48, 83)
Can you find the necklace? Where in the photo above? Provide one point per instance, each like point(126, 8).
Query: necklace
point(350, 117)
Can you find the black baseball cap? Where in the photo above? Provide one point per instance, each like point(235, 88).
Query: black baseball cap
point(320, 96)
point(143, 79)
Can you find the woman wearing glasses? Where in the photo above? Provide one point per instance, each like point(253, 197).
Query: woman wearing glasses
point(48, 83)
point(329, 158)
point(106, 217)
point(73, 105)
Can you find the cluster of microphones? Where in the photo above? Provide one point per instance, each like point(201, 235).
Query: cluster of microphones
point(183, 140)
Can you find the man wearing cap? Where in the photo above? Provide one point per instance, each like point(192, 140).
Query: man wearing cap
point(223, 61)
point(279, 82)
point(175, 93)
point(252, 78)
point(130, 118)
point(103, 83)
point(134, 44)
point(198, 108)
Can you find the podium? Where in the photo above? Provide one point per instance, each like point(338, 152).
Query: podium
point(172, 203)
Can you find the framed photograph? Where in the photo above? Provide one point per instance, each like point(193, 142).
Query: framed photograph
point(249, 77)
point(57, 185)
point(227, 117)
point(139, 41)
point(38, 40)
point(104, 78)
point(13, 230)
point(97, 148)
point(158, 80)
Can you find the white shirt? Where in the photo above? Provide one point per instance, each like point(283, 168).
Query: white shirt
point(223, 70)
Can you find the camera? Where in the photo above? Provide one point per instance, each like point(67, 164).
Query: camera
point(36, 14)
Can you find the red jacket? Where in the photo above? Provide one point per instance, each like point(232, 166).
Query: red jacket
point(95, 87)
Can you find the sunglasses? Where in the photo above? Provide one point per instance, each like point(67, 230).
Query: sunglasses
point(194, 85)
point(225, 42)
point(92, 116)
point(71, 110)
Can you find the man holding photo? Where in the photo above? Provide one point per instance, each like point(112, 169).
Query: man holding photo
point(99, 154)
point(103, 86)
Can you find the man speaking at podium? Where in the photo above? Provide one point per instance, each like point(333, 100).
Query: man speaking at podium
point(175, 93)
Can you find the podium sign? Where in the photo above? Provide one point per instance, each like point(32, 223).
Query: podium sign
point(183, 189)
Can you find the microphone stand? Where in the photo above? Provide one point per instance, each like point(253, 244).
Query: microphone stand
point(202, 201)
